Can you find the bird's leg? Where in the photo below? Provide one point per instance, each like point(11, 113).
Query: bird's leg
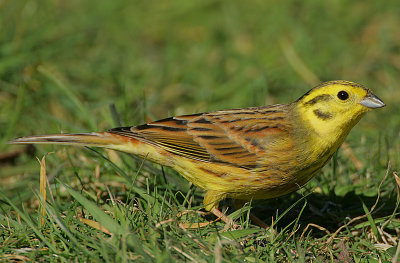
point(258, 221)
point(224, 218)
point(211, 201)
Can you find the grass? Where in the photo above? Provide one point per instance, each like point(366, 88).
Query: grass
point(81, 66)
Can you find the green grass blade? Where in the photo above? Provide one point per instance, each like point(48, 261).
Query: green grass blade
point(371, 221)
point(98, 214)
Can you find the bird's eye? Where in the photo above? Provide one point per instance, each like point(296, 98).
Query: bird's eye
point(343, 95)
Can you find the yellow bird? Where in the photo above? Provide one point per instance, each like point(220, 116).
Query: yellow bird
point(250, 153)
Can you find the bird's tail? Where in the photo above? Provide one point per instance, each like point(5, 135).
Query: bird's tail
point(95, 139)
point(124, 143)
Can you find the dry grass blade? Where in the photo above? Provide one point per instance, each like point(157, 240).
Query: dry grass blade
point(197, 225)
point(396, 177)
point(316, 226)
point(43, 181)
point(95, 224)
point(14, 258)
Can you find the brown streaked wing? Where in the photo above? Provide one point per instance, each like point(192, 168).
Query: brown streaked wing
point(245, 133)
point(230, 137)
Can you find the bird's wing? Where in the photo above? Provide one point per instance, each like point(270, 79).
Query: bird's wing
point(236, 137)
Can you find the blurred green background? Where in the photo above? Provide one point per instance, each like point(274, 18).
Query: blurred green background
point(159, 58)
point(64, 63)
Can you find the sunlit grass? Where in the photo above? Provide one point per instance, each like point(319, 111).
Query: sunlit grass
point(80, 66)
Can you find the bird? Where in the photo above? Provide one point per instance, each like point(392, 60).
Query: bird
point(248, 153)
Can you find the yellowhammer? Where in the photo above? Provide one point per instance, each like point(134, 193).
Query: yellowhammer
point(250, 153)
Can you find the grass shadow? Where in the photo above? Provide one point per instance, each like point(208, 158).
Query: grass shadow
point(328, 211)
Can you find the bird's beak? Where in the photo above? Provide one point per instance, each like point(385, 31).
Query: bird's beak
point(372, 101)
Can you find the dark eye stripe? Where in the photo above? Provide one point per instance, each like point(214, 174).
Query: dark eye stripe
point(324, 97)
